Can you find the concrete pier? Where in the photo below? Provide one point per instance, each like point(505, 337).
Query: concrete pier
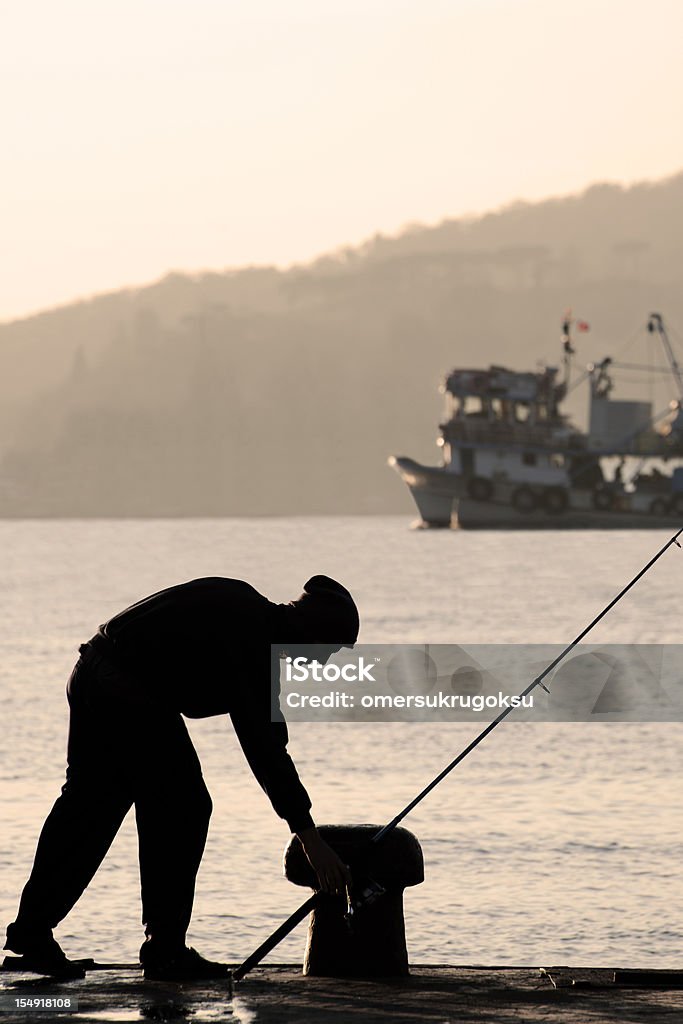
point(436, 994)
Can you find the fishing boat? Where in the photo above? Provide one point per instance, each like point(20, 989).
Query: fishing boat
point(512, 459)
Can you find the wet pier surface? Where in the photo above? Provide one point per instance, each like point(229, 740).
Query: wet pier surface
point(436, 994)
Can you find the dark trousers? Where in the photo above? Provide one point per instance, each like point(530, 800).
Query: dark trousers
point(122, 751)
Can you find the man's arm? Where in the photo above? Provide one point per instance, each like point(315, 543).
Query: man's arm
point(265, 748)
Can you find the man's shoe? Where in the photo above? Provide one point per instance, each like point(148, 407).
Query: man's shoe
point(43, 956)
point(184, 964)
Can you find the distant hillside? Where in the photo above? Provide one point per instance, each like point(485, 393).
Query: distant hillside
point(266, 391)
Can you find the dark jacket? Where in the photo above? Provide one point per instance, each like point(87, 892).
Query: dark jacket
point(203, 648)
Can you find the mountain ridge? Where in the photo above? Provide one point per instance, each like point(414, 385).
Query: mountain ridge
point(261, 390)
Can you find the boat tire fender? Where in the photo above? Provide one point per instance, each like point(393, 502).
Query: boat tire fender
point(659, 507)
point(524, 499)
point(480, 489)
point(676, 507)
point(603, 499)
point(556, 500)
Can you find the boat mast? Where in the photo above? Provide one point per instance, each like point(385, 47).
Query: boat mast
point(655, 323)
point(567, 347)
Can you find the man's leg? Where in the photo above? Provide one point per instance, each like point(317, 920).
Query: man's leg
point(84, 820)
point(172, 808)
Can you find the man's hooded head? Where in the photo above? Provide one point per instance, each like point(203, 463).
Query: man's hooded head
point(327, 613)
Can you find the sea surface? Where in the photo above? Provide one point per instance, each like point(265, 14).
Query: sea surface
point(551, 843)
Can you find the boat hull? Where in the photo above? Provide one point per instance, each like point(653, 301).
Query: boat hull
point(442, 501)
point(489, 515)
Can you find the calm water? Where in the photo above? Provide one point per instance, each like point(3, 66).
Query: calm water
point(551, 844)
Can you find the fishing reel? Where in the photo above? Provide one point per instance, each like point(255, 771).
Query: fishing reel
point(361, 896)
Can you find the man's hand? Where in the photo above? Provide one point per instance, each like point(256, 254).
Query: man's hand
point(333, 875)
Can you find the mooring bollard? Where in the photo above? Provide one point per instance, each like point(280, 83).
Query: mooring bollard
point(373, 942)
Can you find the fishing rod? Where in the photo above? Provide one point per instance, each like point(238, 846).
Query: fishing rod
point(373, 890)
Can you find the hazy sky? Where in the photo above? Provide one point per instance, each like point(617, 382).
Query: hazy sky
point(140, 136)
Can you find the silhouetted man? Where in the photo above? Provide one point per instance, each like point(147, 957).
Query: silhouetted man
point(199, 649)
